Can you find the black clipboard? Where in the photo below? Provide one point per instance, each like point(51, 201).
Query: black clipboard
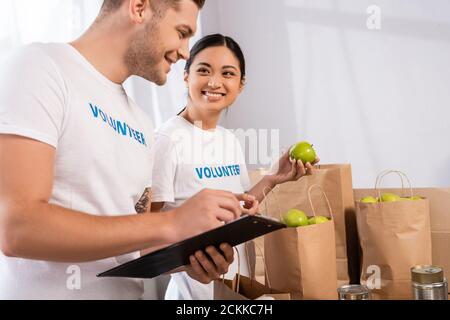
point(164, 260)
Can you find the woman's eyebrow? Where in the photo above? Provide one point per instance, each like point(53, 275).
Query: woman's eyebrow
point(233, 67)
point(209, 66)
point(204, 64)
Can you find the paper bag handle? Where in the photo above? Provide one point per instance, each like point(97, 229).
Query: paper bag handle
point(238, 282)
point(267, 201)
point(382, 173)
point(264, 263)
point(402, 176)
point(326, 199)
point(236, 289)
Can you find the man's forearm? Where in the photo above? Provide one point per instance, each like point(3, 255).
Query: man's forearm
point(52, 233)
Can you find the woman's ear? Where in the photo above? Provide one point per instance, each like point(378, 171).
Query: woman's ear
point(186, 79)
point(242, 85)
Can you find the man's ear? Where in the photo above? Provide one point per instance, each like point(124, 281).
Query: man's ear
point(139, 10)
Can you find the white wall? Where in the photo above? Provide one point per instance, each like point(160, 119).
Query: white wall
point(26, 21)
point(376, 98)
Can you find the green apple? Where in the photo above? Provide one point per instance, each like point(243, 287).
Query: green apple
point(303, 151)
point(369, 199)
point(389, 197)
point(295, 218)
point(318, 220)
point(411, 198)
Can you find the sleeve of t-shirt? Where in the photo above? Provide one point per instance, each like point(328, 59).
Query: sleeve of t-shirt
point(32, 96)
point(164, 169)
point(245, 179)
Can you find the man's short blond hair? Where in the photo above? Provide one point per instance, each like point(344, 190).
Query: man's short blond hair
point(113, 5)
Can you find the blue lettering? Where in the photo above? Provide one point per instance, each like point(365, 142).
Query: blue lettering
point(138, 137)
point(118, 126)
point(199, 172)
point(219, 172)
point(122, 129)
point(103, 115)
point(143, 140)
point(94, 110)
point(129, 131)
point(112, 123)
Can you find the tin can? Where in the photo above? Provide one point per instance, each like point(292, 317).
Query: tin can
point(428, 283)
point(354, 292)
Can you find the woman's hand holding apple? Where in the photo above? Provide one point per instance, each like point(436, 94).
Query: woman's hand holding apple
point(291, 170)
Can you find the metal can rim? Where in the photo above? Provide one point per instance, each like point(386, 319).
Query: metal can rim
point(429, 286)
point(354, 292)
point(418, 276)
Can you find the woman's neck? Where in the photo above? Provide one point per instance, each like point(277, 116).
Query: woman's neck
point(204, 120)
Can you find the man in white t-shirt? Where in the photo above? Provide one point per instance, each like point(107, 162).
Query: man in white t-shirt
point(76, 153)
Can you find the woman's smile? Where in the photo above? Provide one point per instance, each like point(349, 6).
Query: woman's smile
point(212, 96)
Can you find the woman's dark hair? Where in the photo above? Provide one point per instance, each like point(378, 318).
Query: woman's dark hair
point(217, 40)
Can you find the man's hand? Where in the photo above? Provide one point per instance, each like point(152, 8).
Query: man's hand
point(251, 204)
point(210, 266)
point(208, 209)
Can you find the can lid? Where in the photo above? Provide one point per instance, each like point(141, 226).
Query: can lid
point(354, 292)
point(427, 274)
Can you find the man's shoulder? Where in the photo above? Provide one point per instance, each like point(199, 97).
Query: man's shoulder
point(35, 58)
point(35, 51)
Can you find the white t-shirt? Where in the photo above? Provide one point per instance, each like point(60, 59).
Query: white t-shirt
point(188, 160)
point(51, 93)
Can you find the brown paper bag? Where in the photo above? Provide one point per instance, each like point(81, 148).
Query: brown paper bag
point(394, 237)
point(336, 180)
point(246, 288)
point(439, 199)
point(301, 260)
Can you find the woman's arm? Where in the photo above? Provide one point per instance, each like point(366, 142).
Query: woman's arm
point(263, 188)
point(286, 170)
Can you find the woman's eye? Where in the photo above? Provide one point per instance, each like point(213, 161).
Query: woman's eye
point(229, 74)
point(202, 70)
